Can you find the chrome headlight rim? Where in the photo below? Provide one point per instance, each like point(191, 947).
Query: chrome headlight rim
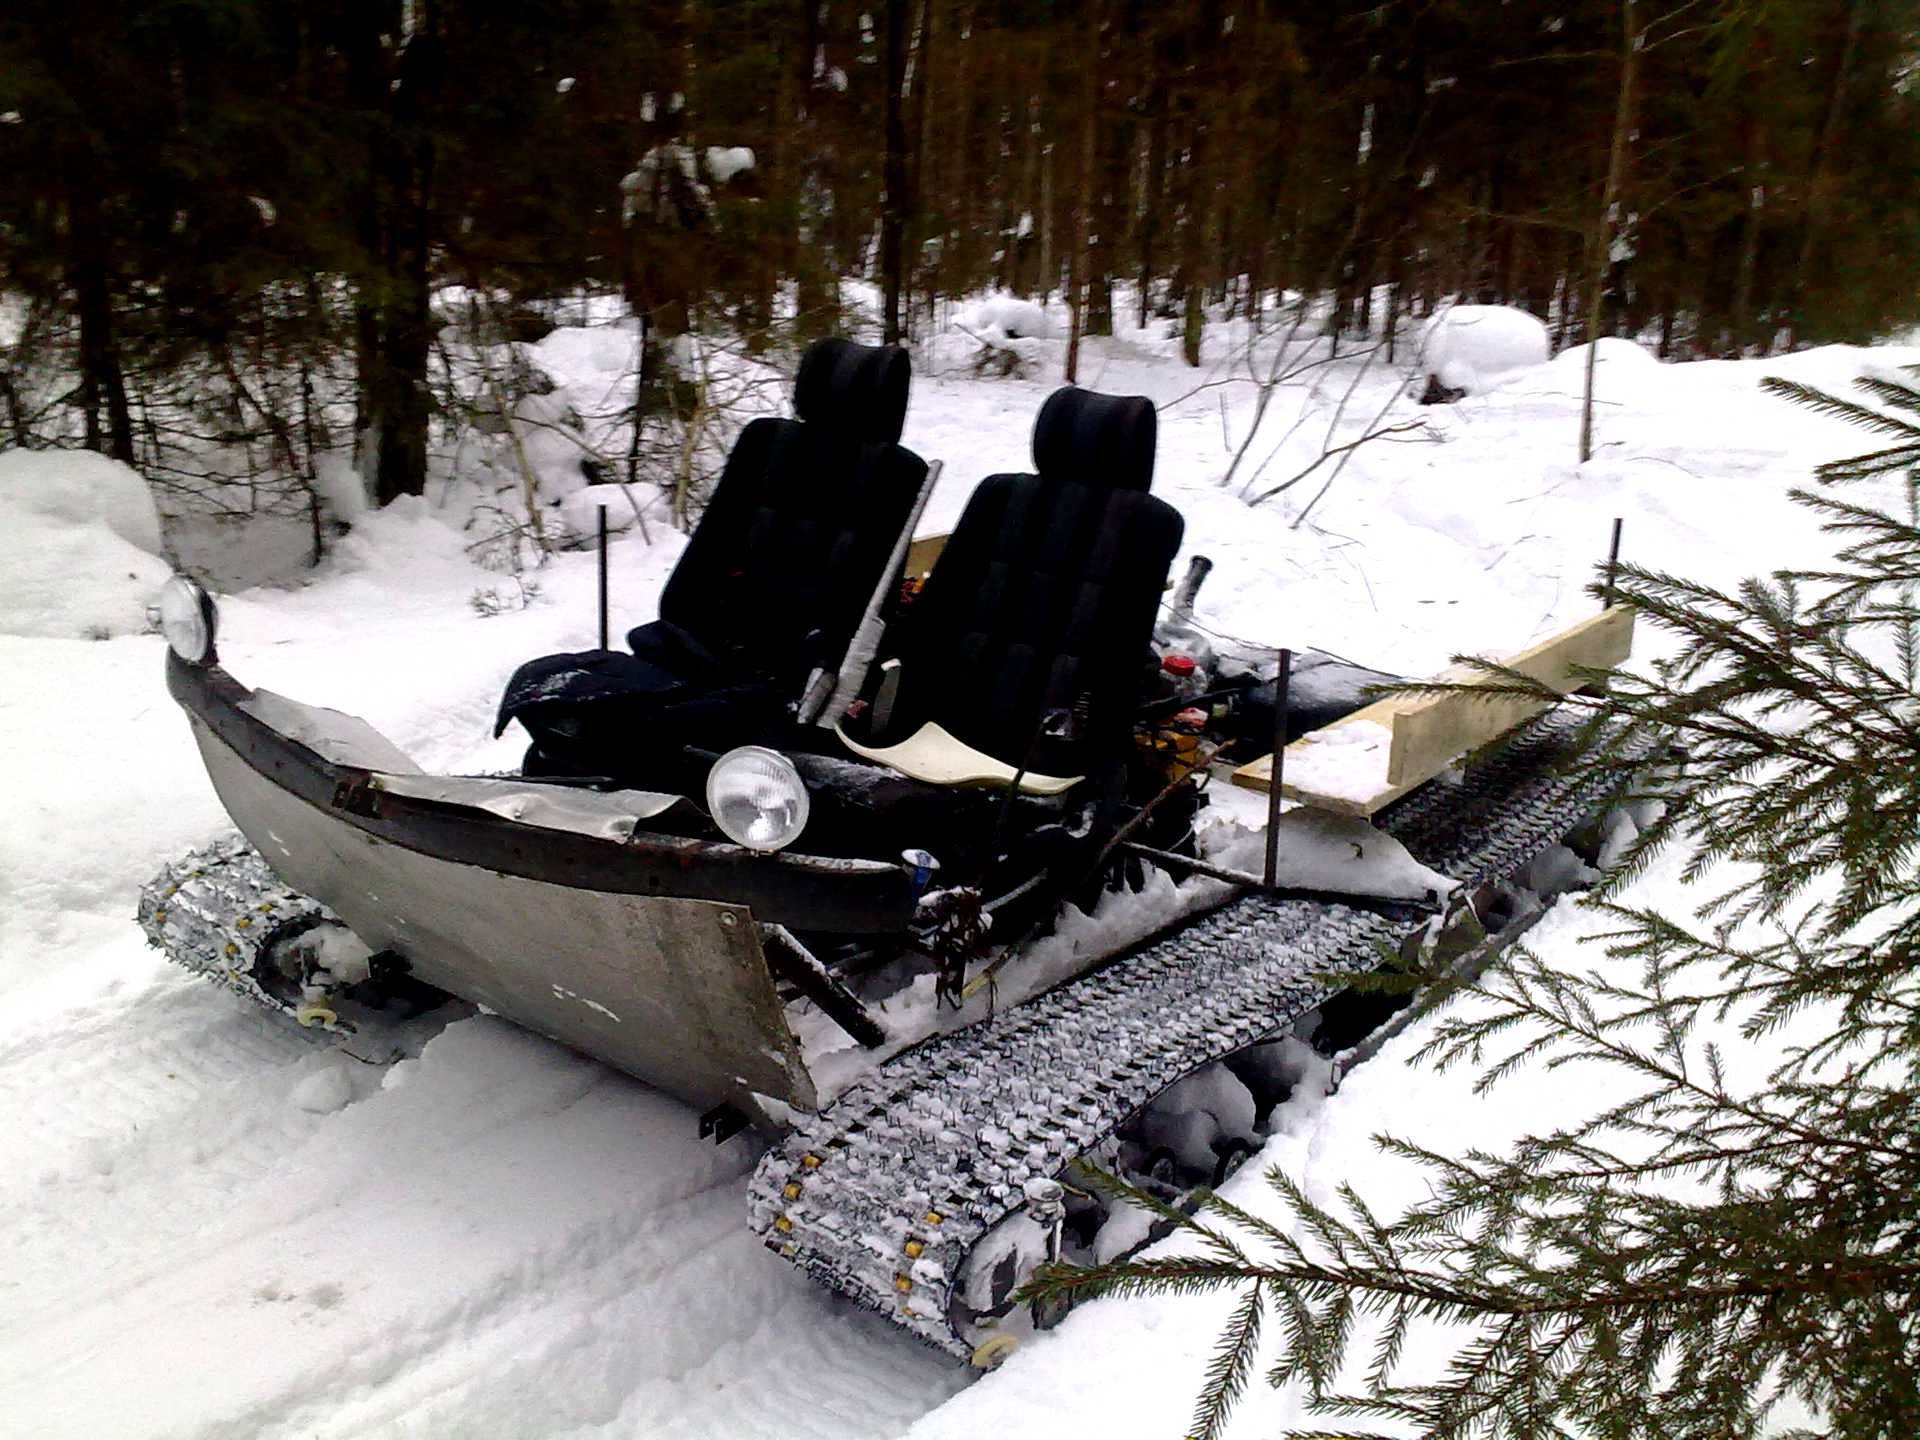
point(188, 619)
point(776, 807)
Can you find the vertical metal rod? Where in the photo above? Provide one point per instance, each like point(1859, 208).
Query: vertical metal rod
point(1282, 679)
point(1613, 558)
point(603, 578)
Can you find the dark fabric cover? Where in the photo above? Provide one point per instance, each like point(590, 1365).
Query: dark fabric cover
point(607, 713)
point(861, 808)
point(857, 390)
point(773, 582)
point(1093, 439)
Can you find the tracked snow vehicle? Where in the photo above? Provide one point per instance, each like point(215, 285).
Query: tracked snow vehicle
point(815, 852)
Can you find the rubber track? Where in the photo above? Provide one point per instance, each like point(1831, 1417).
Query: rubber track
point(882, 1196)
point(217, 910)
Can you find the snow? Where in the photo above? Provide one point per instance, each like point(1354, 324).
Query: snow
point(212, 1236)
point(1472, 347)
point(625, 506)
point(1192, 1113)
point(1345, 762)
point(79, 546)
point(341, 489)
point(637, 185)
point(1622, 368)
point(1320, 850)
point(726, 161)
point(342, 954)
point(326, 1090)
point(1004, 317)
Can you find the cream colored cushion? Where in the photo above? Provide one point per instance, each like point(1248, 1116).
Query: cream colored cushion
point(933, 755)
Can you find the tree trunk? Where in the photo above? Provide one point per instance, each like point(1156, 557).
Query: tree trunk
point(777, 256)
point(1080, 274)
point(1815, 223)
point(816, 297)
point(394, 230)
point(1020, 270)
point(1200, 243)
point(1740, 329)
point(1103, 247)
point(1606, 228)
point(409, 336)
point(101, 381)
point(894, 203)
point(1503, 233)
point(959, 206)
point(919, 183)
point(404, 403)
point(1152, 187)
point(1396, 284)
point(1047, 262)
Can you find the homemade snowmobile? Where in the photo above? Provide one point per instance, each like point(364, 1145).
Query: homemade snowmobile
point(803, 854)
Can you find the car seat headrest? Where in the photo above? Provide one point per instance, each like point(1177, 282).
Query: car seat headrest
point(1093, 439)
point(858, 389)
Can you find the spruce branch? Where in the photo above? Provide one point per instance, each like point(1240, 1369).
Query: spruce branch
point(1700, 1250)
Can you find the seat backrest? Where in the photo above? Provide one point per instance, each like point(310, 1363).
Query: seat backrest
point(804, 519)
point(1045, 595)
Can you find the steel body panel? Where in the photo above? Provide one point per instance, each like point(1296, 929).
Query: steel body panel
point(805, 892)
point(673, 990)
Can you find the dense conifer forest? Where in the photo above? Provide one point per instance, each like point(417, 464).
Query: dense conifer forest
point(257, 201)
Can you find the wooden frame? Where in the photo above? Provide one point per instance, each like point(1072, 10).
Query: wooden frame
point(1431, 731)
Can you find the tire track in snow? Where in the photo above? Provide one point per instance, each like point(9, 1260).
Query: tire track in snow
point(684, 1327)
point(502, 1238)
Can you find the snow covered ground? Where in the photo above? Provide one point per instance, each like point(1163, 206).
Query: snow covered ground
point(220, 1229)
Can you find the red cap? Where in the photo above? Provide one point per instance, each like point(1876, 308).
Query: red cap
point(1177, 664)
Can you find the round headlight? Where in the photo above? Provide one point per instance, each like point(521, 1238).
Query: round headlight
point(756, 798)
point(187, 619)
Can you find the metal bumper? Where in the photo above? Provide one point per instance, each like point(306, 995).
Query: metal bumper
point(638, 949)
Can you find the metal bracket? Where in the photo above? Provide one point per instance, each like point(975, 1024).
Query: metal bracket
point(356, 794)
point(722, 1123)
point(791, 961)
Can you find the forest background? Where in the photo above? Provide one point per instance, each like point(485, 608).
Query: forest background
point(225, 223)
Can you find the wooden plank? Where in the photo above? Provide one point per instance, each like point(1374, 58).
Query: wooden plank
point(1430, 732)
point(923, 551)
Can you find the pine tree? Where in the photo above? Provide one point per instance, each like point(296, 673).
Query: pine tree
point(1698, 1252)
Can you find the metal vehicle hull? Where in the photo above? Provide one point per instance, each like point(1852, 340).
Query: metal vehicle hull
point(672, 990)
point(640, 950)
point(559, 909)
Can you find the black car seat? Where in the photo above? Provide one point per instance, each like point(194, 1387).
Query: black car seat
point(795, 542)
point(1042, 603)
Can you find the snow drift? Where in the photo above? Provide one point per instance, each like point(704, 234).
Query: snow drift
point(79, 546)
point(1474, 347)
